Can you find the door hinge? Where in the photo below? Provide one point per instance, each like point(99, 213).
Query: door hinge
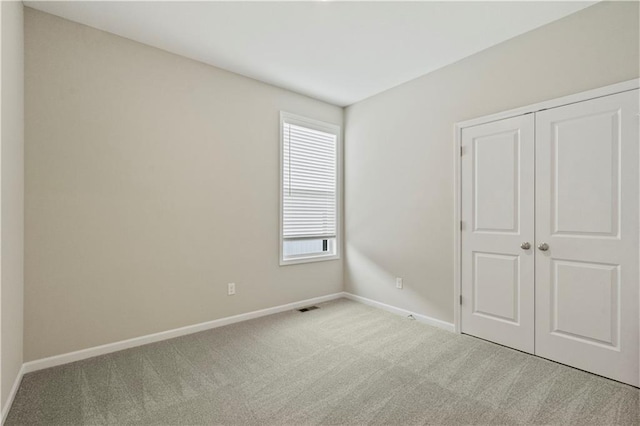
point(461, 225)
point(461, 151)
point(461, 299)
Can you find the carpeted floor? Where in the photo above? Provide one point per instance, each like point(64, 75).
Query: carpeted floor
point(345, 363)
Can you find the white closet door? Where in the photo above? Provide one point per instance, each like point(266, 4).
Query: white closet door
point(497, 213)
point(587, 213)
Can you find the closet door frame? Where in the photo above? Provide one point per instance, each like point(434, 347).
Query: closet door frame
point(457, 213)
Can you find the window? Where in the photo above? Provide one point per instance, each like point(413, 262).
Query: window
point(309, 184)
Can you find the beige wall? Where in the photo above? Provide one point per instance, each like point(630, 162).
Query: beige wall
point(12, 194)
point(152, 182)
point(399, 147)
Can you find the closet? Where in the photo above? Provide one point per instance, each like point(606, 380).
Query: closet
point(549, 238)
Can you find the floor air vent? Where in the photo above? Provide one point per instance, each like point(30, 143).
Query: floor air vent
point(308, 308)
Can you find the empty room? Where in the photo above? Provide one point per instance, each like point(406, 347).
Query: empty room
point(320, 212)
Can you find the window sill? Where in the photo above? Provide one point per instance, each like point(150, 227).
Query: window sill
point(310, 259)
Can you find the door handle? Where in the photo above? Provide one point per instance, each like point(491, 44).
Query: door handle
point(543, 247)
point(525, 246)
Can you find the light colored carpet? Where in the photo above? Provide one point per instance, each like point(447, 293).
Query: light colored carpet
point(345, 363)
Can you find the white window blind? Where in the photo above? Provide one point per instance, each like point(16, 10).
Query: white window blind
point(308, 183)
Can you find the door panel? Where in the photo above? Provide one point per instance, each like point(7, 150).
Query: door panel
point(595, 318)
point(495, 286)
point(497, 213)
point(578, 208)
point(587, 202)
point(495, 189)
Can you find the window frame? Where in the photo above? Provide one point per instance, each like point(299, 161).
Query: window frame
point(323, 127)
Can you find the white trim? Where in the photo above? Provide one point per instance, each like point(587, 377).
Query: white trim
point(12, 394)
point(310, 258)
point(403, 312)
point(30, 367)
point(108, 348)
point(457, 204)
point(56, 360)
point(554, 103)
point(1, 407)
point(324, 127)
point(457, 222)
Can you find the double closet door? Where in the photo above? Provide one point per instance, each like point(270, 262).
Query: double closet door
point(550, 238)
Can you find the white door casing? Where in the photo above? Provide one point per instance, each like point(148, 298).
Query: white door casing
point(587, 206)
point(497, 276)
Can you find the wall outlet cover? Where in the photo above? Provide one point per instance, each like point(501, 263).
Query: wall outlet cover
point(399, 283)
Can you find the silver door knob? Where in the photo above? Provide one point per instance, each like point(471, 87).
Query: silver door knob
point(543, 247)
point(525, 246)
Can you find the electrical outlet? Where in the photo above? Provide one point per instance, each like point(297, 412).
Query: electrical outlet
point(398, 282)
point(231, 289)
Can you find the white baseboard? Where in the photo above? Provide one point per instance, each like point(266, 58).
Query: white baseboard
point(399, 311)
point(12, 395)
point(164, 335)
point(67, 358)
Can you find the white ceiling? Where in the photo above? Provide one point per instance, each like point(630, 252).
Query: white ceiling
point(340, 52)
